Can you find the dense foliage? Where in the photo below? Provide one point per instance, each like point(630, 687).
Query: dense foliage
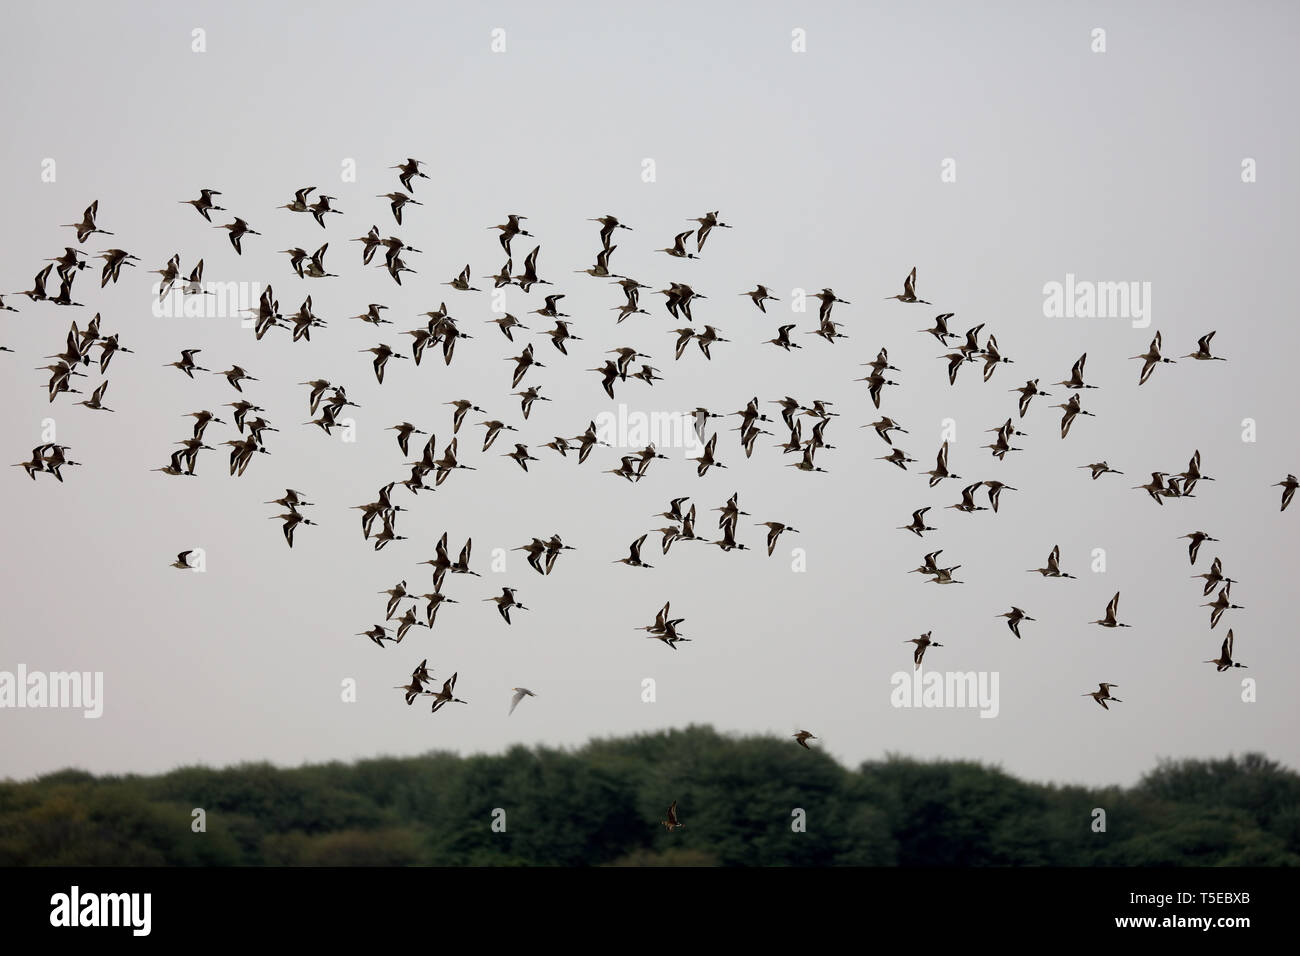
point(600, 805)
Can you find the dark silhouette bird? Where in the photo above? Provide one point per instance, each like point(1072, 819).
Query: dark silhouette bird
point(1014, 617)
point(1194, 545)
point(1224, 661)
point(1288, 487)
point(204, 204)
point(237, 230)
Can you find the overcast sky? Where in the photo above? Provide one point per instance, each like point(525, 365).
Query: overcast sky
point(1117, 166)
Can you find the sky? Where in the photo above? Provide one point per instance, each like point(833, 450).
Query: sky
point(835, 167)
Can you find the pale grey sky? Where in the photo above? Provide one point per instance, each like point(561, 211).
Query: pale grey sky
point(1115, 166)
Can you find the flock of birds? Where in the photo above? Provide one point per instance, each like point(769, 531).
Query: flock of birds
point(87, 347)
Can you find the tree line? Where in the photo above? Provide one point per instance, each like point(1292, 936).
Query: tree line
point(744, 801)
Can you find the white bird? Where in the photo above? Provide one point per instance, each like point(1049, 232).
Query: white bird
point(520, 694)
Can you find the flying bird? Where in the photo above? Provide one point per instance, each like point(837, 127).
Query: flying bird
point(1194, 545)
point(1202, 353)
point(1111, 610)
point(1224, 661)
point(520, 694)
point(909, 290)
point(1102, 694)
point(1150, 359)
point(922, 643)
point(1288, 487)
point(672, 823)
point(1014, 617)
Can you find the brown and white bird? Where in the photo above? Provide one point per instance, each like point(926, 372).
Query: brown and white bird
point(1053, 569)
point(95, 401)
point(397, 200)
point(204, 204)
point(918, 526)
point(909, 290)
point(922, 643)
point(292, 518)
point(607, 226)
point(1214, 577)
point(408, 171)
point(1101, 468)
point(382, 354)
point(237, 231)
point(707, 224)
point(183, 561)
point(1072, 409)
point(1194, 545)
point(1028, 391)
point(761, 295)
point(378, 634)
point(940, 470)
point(995, 492)
point(1111, 610)
point(633, 559)
point(504, 602)
point(672, 823)
point(1014, 617)
point(1150, 359)
point(1224, 661)
point(1222, 603)
point(1202, 353)
point(774, 530)
point(446, 695)
point(1102, 694)
point(87, 226)
point(1076, 375)
point(1288, 489)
